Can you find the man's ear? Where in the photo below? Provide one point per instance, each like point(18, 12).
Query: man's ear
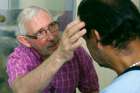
point(96, 34)
point(23, 40)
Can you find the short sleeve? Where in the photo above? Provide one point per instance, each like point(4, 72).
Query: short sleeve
point(18, 67)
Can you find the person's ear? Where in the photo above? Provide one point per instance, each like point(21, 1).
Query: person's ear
point(96, 34)
point(23, 40)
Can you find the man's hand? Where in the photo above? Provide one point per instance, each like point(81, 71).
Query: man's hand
point(70, 40)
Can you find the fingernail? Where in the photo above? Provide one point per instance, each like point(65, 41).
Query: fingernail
point(84, 30)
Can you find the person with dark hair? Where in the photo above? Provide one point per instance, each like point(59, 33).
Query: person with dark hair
point(113, 38)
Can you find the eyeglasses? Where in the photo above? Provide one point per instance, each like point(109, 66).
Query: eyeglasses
point(42, 32)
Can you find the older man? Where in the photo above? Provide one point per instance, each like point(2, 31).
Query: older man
point(44, 63)
point(113, 38)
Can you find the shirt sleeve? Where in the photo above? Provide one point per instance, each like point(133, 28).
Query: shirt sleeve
point(17, 67)
point(88, 76)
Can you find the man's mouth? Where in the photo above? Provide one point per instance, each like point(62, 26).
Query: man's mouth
point(53, 46)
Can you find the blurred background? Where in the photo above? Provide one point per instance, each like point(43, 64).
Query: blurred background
point(62, 10)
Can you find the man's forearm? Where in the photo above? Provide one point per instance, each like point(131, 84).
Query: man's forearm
point(36, 80)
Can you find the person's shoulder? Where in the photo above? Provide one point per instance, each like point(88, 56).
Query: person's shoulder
point(23, 55)
point(128, 76)
point(20, 51)
point(80, 50)
point(124, 83)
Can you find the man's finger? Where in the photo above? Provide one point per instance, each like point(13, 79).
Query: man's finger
point(77, 44)
point(77, 35)
point(72, 24)
point(76, 28)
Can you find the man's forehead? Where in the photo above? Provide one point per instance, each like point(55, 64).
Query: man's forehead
point(42, 19)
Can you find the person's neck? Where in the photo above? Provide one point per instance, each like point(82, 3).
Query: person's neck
point(120, 66)
point(128, 58)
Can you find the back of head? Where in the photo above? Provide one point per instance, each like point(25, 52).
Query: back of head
point(117, 21)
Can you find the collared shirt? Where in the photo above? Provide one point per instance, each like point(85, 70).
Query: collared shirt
point(127, 82)
point(79, 72)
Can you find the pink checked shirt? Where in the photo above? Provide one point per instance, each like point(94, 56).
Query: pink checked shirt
point(79, 72)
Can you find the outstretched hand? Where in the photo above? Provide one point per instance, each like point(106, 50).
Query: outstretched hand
point(70, 40)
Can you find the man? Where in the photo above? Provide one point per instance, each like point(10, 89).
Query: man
point(113, 38)
point(40, 64)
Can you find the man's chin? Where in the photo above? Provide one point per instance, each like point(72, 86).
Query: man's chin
point(53, 48)
point(48, 52)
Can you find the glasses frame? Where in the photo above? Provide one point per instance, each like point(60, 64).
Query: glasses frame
point(42, 31)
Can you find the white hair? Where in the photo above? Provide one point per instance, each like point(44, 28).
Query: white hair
point(27, 14)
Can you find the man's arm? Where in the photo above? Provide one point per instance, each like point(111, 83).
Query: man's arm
point(36, 80)
point(39, 78)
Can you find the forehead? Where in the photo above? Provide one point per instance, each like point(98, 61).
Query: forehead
point(41, 19)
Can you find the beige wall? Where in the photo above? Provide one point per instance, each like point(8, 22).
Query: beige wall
point(48, 4)
point(56, 7)
point(137, 2)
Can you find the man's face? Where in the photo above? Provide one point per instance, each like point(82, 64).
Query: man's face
point(101, 56)
point(46, 41)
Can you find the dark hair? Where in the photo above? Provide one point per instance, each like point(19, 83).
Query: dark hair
point(117, 22)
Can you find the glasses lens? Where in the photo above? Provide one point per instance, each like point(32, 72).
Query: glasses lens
point(52, 27)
